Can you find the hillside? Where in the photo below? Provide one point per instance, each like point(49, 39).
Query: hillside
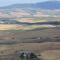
point(41, 5)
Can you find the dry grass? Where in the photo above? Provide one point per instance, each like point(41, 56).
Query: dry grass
point(51, 55)
point(10, 27)
point(48, 50)
point(34, 47)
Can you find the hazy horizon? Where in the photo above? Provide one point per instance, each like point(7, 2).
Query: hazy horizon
point(9, 2)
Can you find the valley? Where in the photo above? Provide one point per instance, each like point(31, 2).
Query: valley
point(31, 28)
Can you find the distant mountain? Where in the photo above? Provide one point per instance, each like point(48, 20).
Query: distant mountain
point(42, 5)
point(48, 5)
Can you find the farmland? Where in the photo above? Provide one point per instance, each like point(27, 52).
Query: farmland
point(37, 31)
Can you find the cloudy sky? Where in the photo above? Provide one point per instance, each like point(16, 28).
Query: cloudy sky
point(9, 2)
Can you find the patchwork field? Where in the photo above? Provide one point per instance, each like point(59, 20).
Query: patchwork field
point(10, 27)
point(29, 27)
point(32, 36)
point(39, 41)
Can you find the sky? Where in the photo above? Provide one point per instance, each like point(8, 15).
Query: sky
point(9, 2)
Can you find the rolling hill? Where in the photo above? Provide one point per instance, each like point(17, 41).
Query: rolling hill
point(41, 5)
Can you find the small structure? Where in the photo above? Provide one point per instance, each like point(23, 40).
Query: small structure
point(27, 55)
